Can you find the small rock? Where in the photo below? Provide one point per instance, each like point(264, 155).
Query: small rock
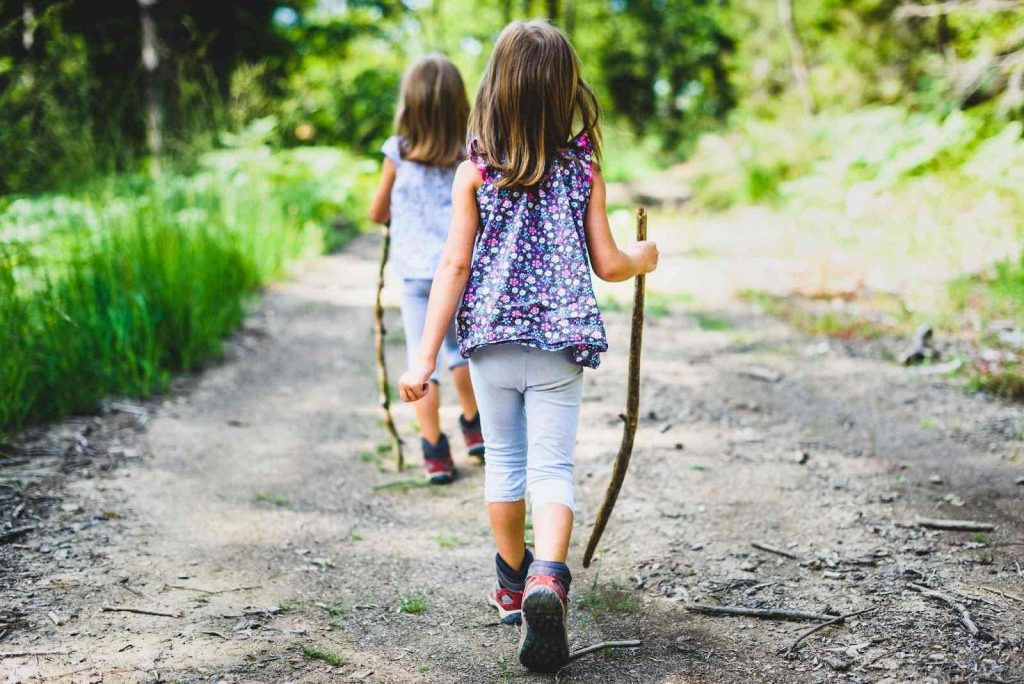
point(1019, 481)
point(936, 479)
point(801, 457)
point(953, 500)
point(888, 497)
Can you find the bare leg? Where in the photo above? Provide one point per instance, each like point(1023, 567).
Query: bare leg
point(552, 528)
point(508, 523)
point(427, 410)
point(464, 388)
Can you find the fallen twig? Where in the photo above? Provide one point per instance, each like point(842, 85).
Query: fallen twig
point(955, 525)
point(216, 634)
point(632, 416)
point(29, 654)
point(11, 535)
point(818, 628)
point(212, 592)
point(772, 549)
point(1004, 594)
point(579, 653)
point(763, 613)
point(962, 612)
point(140, 611)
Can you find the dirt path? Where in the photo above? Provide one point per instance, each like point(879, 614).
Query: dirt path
point(259, 515)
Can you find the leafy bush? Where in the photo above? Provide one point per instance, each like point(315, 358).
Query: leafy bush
point(114, 291)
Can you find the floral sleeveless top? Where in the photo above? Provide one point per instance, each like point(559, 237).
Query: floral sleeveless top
point(529, 282)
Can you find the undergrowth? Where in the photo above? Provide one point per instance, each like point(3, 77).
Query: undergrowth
point(114, 291)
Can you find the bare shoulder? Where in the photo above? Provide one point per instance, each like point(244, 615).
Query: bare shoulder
point(468, 174)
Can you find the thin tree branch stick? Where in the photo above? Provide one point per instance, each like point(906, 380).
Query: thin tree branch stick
point(955, 525)
point(15, 533)
point(29, 654)
point(772, 549)
point(963, 613)
point(140, 611)
point(818, 628)
point(383, 388)
point(631, 643)
point(632, 404)
point(1004, 594)
point(763, 613)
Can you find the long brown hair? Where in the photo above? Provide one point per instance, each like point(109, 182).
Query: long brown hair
point(531, 96)
point(432, 112)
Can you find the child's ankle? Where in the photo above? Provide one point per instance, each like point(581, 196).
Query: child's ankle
point(560, 571)
point(513, 579)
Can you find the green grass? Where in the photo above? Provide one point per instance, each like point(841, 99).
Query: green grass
point(272, 498)
point(710, 322)
point(114, 291)
point(601, 599)
point(317, 653)
point(334, 609)
point(413, 604)
point(402, 486)
point(448, 541)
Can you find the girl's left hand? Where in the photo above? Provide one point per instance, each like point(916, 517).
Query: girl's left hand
point(415, 383)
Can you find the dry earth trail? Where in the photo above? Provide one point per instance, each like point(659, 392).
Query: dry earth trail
point(252, 508)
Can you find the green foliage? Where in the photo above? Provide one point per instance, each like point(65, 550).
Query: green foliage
point(112, 291)
point(413, 604)
point(317, 653)
point(272, 498)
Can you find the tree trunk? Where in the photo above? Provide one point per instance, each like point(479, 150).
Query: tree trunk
point(151, 64)
point(570, 18)
point(506, 11)
point(28, 33)
point(796, 51)
point(527, 8)
point(553, 11)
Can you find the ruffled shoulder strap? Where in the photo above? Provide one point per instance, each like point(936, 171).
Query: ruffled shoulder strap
point(584, 151)
point(479, 161)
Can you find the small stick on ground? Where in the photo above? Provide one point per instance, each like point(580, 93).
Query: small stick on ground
point(383, 388)
point(776, 551)
point(1013, 597)
point(817, 628)
point(11, 535)
point(762, 613)
point(631, 643)
point(955, 525)
point(632, 415)
point(29, 654)
point(961, 610)
point(140, 611)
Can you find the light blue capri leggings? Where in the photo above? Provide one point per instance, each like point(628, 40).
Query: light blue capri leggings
point(415, 294)
point(529, 403)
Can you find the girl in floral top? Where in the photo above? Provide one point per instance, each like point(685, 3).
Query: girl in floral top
point(528, 224)
point(415, 198)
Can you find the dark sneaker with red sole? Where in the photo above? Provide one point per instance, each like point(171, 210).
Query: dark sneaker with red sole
point(508, 602)
point(474, 437)
point(437, 461)
point(543, 640)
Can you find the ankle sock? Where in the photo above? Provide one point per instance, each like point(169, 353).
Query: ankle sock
point(560, 571)
point(436, 451)
point(510, 578)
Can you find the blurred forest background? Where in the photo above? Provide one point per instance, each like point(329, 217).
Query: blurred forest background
point(162, 159)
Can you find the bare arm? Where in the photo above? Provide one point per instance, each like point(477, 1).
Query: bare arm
point(449, 281)
point(609, 262)
point(380, 208)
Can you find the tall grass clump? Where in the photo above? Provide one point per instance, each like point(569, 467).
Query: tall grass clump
point(113, 292)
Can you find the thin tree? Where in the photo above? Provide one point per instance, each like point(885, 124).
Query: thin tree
point(797, 56)
point(151, 63)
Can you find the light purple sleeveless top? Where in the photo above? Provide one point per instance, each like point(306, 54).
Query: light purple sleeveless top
point(529, 282)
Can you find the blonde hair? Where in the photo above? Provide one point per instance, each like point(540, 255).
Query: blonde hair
point(432, 112)
point(531, 96)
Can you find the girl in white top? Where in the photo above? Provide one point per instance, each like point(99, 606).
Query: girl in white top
point(415, 198)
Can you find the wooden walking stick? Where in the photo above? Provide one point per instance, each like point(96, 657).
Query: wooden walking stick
point(632, 404)
point(383, 388)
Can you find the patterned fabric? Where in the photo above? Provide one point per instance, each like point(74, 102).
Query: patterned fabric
point(421, 211)
point(530, 278)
